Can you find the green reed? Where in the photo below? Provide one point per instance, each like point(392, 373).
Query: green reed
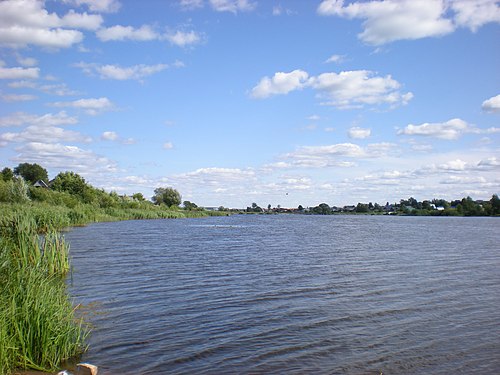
point(38, 328)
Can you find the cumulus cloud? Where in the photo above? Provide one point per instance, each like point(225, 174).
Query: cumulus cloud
point(120, 73)
point(335, 155)
point(112, 136)
point(63, 157)
point(357, 88)
point(359, 133)
point(280, 83)
point(168, 146)
point(335, 59)
point(233, 6)
point(121, 33)
point(475, 13)
point(109, 136)
point(191, 4)
point(183, 38)
point(17, 97)
point(19, 73)
point(98, 6)
point(47, 134)
point(349, 89)
point(91, 106)
point(391, 20)
point(48, 119)
point(27, 22)
point(449, 130)
point(492, 104)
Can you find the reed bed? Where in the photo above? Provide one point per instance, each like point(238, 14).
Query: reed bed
point(38, 327)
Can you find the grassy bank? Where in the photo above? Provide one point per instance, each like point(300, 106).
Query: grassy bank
point(38, 327)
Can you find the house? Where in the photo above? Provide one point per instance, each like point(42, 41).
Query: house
point(41, 183)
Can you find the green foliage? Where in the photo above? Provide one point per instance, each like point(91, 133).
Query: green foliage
point(38, 328)
point(7, 174)
point(167, 196)
point(14, 191)
point(495, 205)
point(138, 197)
point(322, 209)
point(31, 172)
point(71, 183)
point(190, 206)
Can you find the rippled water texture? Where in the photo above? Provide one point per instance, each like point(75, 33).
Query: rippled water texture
point(291, 294)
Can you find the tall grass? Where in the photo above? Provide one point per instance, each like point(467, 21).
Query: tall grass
point(38, 328)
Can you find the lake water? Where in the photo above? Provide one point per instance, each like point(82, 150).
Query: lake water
point(291, 294)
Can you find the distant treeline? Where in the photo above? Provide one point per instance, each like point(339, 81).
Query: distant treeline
point(69, 200)
point(436, 207)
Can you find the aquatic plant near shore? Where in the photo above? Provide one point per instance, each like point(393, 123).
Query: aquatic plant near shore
point(38, 328)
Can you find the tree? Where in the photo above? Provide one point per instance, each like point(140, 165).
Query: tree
point(7, 174)
point(71, 183)
point(190, 206)
point(168, 196)
point(31, 172)
point(138, 197)
point(495, 205)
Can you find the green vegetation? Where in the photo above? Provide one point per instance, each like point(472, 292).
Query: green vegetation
point(38, 323)
point(436, 207)
point(38, 326)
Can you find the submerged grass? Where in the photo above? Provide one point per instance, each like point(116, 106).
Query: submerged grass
point(38, 328)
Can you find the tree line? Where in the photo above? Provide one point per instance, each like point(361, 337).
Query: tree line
point(31, 182)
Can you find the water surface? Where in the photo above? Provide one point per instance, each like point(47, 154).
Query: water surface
point(291, 294)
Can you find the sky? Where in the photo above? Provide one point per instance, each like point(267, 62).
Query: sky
point(280, 102)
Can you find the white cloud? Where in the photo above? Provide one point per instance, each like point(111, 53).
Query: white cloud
point(492, 162)
point(475, 13)
point(19, 73)
point(335, 155)
point(62, 157)
point(112, 136)
point(121, 33)
point(46, 134)
point(183, 38)
point(109, 136)
point(335, 59)
point(451, 180)
point(492, 104)
point(91, 106)
point(27, 22)
point(449, 130)
point(350, 89)
point(221, 176)
point(391, 20)
point(454, 165)
point(232, 6)
point(49, 119)
point(17, 97)
point(168, 146)
point(81, 20)
point(191, 4)
point(280, 83)
point(359, 133)
point(26, 61)
point(116, 72)
point(59, 89)
point(98, 6)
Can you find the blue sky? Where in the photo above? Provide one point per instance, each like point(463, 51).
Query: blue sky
point(280, 102)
